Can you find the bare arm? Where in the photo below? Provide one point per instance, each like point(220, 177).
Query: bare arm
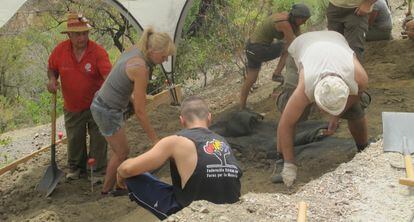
point(150, 160)
point(138, 72)
point(365, 7)
point(289, 36)
point(290, 116)
point(361, 78)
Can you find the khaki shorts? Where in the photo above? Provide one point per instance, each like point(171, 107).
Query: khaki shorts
point(350, 25)
point(283, 98)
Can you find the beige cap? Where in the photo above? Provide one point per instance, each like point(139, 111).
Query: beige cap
point(331, 94)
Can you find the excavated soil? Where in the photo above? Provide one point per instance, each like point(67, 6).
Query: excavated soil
point(337, 185)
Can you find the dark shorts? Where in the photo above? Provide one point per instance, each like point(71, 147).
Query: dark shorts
point(256, 53)
point(152, 194)
point(357, 111)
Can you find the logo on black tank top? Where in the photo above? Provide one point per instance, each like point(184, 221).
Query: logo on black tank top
point(220, 150)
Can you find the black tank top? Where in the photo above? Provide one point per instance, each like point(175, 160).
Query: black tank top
point(216, 177)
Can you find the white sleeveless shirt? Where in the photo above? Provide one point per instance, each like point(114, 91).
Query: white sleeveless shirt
point(320, 53)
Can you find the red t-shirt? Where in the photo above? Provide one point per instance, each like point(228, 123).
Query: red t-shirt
point(79, 80)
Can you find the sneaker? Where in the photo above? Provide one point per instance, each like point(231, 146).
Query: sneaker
point(73, 174)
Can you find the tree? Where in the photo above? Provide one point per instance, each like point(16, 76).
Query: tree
point(11, 63)
point(105, 20)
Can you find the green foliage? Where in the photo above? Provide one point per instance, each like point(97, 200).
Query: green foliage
point(39, 110)
point(5, 141)
point(227, 26)
point(191, 15)
point(27, 111)
point(7, 113)
point(11, 62)
point(113, 54)
point(220, 41)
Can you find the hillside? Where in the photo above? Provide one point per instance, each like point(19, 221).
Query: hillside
point(337, 185)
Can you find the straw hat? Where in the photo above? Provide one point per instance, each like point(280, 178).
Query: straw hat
point(331, 94)
point(76, 23)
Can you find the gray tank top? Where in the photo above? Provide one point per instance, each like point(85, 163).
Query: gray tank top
point(117, 88)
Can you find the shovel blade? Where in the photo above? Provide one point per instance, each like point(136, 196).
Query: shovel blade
point(46, 181)
point(396, 126)
point(50, 179)
point(59, 174)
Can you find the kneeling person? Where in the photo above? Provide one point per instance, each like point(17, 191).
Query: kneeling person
point(202, 166)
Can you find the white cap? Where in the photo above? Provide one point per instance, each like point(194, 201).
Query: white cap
point(331, 94)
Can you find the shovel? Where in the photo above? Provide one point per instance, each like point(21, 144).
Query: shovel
point(53, 174)
point(398, 137)
point(395, 126)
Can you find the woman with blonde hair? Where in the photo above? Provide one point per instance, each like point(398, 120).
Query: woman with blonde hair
point(128, 77)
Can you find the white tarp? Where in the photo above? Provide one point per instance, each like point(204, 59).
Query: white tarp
point(164, 15)
point(8, 8)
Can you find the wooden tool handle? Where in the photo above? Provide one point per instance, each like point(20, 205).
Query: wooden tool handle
point(53, 114)
point(409, 166)
point(302, 212)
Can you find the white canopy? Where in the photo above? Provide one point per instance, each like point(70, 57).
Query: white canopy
point(8, 9)
point(164, 15)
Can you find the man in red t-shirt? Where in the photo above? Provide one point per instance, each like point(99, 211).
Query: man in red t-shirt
point(82, 66)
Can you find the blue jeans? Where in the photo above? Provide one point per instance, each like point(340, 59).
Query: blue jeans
point(152, 194)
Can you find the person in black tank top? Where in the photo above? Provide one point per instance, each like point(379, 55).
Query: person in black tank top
point(202, 165)
point(283, 26)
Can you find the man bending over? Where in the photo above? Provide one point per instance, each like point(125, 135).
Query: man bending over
point(330, 75)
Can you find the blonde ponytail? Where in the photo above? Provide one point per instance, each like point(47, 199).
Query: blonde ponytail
point(157, 41)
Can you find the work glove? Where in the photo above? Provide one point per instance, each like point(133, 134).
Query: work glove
point(289, 173)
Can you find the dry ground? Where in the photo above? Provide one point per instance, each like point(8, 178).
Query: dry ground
point(363, 189)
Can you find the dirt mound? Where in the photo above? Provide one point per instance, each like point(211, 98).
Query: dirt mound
point(365, 189)
point(346, 193)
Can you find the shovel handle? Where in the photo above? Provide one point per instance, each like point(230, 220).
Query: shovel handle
point(409, 166)
point(53, 115)
point(302, 212)
point(53, 134)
